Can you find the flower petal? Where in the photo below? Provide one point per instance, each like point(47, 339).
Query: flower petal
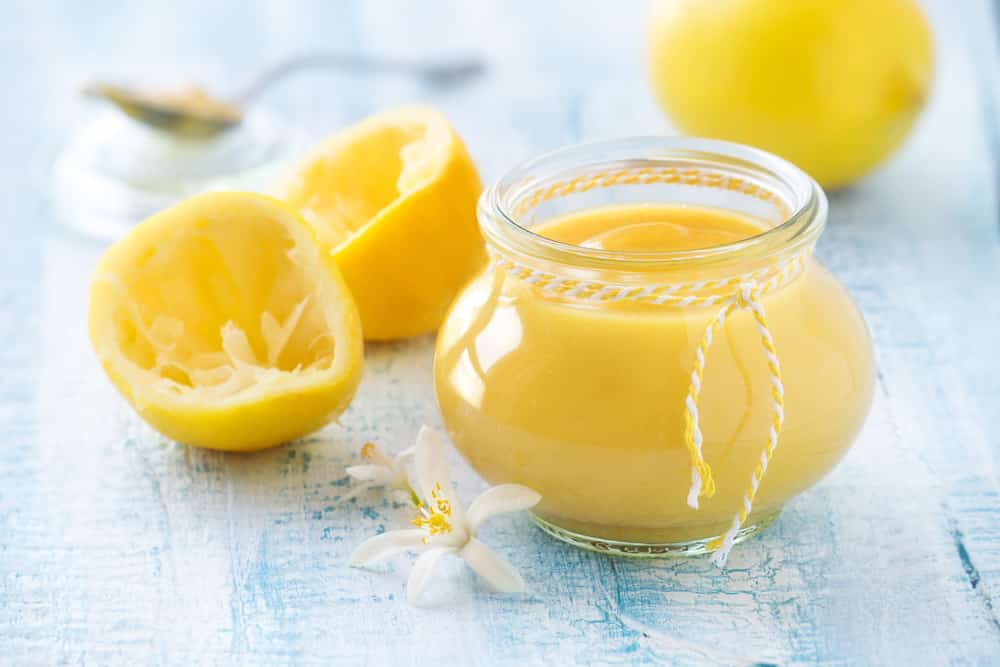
point(353, 493)
point(400, 468)
point(500, 499)
point(492, 567)
point(431, 464)
point(371, 473)
point(387, 544)
point(423, 567)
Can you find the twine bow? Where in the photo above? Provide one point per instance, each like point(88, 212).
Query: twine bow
point(702, 483)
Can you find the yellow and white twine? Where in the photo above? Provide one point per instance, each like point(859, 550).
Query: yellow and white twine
point(742, 292)
point(702, 483)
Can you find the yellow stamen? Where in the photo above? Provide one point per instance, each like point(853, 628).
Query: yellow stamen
point(370, 452)
point(443, 504)
point(434, 519)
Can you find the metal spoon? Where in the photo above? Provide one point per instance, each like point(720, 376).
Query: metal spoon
point(193, 113)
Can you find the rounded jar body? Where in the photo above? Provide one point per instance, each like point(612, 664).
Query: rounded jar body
point(621, 385)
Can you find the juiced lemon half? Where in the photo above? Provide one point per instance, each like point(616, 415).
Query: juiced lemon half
point(393, 199)
point(224, 325)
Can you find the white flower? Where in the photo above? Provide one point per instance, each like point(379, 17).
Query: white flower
point(442, 526)
point(380, 469)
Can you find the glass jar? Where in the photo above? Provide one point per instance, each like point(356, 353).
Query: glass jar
point(113, 172)
point(660, 401)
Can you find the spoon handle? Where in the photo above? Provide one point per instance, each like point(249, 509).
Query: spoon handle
point(442, 73)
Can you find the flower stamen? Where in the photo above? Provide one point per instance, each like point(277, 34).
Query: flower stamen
point(373, 454)
point(435, 519)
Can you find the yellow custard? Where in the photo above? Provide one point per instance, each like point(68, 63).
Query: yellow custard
point(584, 400)
point(651, 227)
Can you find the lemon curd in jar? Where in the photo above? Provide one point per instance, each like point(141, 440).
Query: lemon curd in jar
point(554, 370)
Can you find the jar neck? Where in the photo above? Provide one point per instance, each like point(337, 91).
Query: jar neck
point(710, 174)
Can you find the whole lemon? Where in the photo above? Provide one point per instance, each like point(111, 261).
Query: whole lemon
point(833, 86)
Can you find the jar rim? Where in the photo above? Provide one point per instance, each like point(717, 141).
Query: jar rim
point(798, 230)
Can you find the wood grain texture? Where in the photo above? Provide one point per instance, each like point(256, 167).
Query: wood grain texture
point(117, 547)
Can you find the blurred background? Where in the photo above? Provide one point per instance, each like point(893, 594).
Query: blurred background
point(556, 72)
point(529, 100)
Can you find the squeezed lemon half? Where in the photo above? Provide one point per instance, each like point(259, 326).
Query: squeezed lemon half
point(224, 326)
point(393, 199)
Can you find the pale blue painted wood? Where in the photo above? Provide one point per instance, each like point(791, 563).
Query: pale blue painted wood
point(119, 547)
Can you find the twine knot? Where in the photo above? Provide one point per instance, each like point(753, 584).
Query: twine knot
point(746, 294)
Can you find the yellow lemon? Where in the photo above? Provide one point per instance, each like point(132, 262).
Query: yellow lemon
point(224, 326)
point(393, 199)
point(832, 86)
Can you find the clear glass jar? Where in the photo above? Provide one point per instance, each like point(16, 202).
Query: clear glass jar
point(575, 370)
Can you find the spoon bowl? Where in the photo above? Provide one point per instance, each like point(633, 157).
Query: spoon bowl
point(188, 113)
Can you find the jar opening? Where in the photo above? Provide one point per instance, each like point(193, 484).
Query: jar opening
point(667, 170)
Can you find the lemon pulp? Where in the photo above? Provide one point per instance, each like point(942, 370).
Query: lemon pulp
point(342, 189)
point(213, 332)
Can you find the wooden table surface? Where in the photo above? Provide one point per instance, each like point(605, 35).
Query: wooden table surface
point(117, 546)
